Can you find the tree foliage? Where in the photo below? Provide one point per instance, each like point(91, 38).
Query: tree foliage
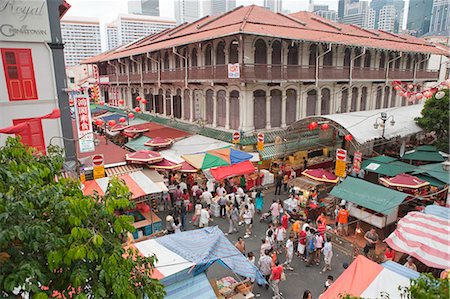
point(435, 118)
point(55, 239)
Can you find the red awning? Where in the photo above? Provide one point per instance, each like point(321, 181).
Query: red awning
point(223, 172)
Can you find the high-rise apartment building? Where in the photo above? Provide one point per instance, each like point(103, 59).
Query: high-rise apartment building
point(81, 38)
point(388, 14)
point(342, 7)
point(327, 14)
point(358, 13)
point(191, 10)
point(419, 17)
point(144, 7)
point(440, 19)
point(214, 7)
point(273, 5)
point(112, 40)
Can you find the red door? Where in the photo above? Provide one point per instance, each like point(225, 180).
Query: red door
point(34, 135)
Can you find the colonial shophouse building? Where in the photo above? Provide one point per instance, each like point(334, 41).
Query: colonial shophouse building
point(289, 67)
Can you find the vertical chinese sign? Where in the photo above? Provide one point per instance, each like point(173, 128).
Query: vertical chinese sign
point(357, 158)
point(84, 124)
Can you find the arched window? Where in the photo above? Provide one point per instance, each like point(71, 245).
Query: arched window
point(367, 59)
point(386, 97)
point(234, 52)
point(276, 52)
point(177, 62)
point(397, 63)
point(260, 52)
point(234, 110)
point(187, 103)
point(149, 98)
point(311, 101)
point(220, 53)
point(194, 57)
point(166, 61)
point(168, 102)
point(292, 54)
point(379, 97)
point(344, 101)
point(259, 109)
point(275, 108)
point(291, 106)
point(363, 104)
point(423, 62)
point(177, 104)
point(208, 60)
point(347, 56)
point(393, 97)
point(221, 108)
point(325, 102)
point(358, 60)
point(312, 55)
point(382, 63)
point(354, 103)
point(408, 62)
point(327, 58)
point(209, 106)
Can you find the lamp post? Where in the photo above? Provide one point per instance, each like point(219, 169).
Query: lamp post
point(381, 121)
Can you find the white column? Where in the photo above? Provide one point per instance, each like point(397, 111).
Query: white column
point(268, 125)
point(191, 103)
point(227, 113)
point(358, 100)
point(246, 110)
point(303, 97)
point(298, 106)
point(283, 110)
point(319, 102)
point(338, 102)
point(154, 102)
point(214, 111)
point(182, 104)
point(164, 102)
point(171, 105)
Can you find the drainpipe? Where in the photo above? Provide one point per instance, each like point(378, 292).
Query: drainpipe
point(128, 71)
point(415, 68)
point(185, 66)
point(158, 68)
point(317, 63)
point(140, 64)
point(389, 66)
point(352, 62)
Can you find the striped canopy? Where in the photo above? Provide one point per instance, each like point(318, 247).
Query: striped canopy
point(404, 181)
point(215, 158)
point(321, 175)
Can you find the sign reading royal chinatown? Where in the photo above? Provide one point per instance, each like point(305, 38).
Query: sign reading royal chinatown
point(84, 124)
point(24, 20)
point(234, 71)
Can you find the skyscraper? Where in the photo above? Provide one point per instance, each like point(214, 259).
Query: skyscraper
point(342, 7)
point(388, 14)
point(191, 10)
point(273, 5)
point(214, 7)
point(111, 36)
point(323, 11)
point(440, 20)
point(419, 16)
point(144, 7)
point(132, 27)
point(81, 38)
point(359, 13)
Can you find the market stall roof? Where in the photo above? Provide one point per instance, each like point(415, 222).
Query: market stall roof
point(159, 142)
point(434, 170)
point(216, 158)
point(166, 164)
point(138, 183)
point(186, 167)
point(304, 183)
point(123, 169)
point(156, 178)
point(367, 279)
point(425, 237)
point(144, 156)
point(321, 175)
point(404, 181)
point(194, 287)
point(238, 169)
point(386, 165)
point(375, 197)
point(138, 143)
point(154, 130)
point(191, 145)
point(426, 153)
point(438, 211)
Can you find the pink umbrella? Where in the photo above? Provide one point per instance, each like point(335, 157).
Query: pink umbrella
point(144, 157)
point(186, 167)
point(166, 164)
point(159, 142)
point(321, 175)
point(405, 181)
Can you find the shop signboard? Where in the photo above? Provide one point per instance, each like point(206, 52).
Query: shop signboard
point(357, 158)
point(98, 165)
point(234, 71)
point(84, 124)
point(340, 169)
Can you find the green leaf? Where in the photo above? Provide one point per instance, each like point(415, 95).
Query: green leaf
point(97, 240)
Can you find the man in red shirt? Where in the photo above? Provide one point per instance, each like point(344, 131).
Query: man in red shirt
point(302, 243)
point(275, 278)
point(285, 220)
point(342, 219)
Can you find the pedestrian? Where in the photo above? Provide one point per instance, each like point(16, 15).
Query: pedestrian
point(259, 201)
point(247, 216)
point(235, 217)
point(280, 209)
point(183, 212)
point(285, 182)
point(275, 211)
point(183, 186)
point(280, 233)
point(243, 182)
point(275, 279)
point(371, 238)
point(307, 293)
point(321, 228)
point(410, 264)
point(289, 253)
point(285, 220)
point(302, 242)
point(265, 266)
point(327, 251)
point(169, 223)
point(222, 204)
point(329, 281)
point(194, 190)
point(176, 226)
point(389, 254)
point(342, 220)
point(240, 245)
point(197, 212)
point(185, 197)
point(206, 197)
point(318, 245)
point(322, 218)
point(265, 245)
point(204, 217)
point(310, 248)
point(270, 238)
point(220, 190)
point(305, 163)
point(278, 183)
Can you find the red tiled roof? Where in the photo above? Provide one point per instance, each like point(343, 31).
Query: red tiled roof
point(157, 130)
point(255, 20)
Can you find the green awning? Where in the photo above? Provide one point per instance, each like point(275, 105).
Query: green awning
point(425, 153)
point(433, 181)
point(138, 144)
point(386, 165)
point(273, 151)
point(371, 196)
point(434, 170)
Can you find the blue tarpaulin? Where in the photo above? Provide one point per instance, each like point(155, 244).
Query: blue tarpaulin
point(194, 287)
point(238, 156)
point(204, 247)
point(438, 211)
point(400, 269)
point(114, 117)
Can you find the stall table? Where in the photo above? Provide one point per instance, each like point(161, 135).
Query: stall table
point(147, 222)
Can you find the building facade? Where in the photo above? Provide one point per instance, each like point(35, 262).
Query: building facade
point(81, 38)
point(358, 13)
point(191, 10)
point(440, 19)
point(112, 36)
point(144, 7)
point(273, 5)
point(419, 17)
point(388, 14)
point(28, 89)
point(265, 77)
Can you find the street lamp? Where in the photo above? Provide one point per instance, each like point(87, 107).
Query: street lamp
point(384, 118)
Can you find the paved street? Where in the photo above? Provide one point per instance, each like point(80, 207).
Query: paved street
point(298, 280)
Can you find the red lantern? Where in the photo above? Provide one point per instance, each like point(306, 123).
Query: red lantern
point(397, 87)
point(419, 96)
point(112, 123)
point(121, 101)
point(122, 119)
point(130, 115)
point(348, 137)
point(325, 127)
point(312, 126)
point(71, 102)
point(137, 109)
point(101, 103)
point(99, 122)
point(138, 98)
point(144, 101)
point(410, 86)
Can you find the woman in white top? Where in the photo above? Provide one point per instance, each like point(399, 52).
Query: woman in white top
point(197, 210)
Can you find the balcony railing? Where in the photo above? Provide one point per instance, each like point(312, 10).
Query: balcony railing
point(264, 72)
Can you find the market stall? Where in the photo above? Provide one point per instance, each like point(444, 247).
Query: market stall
point(384, 165)
point(423, 154)
point(159, 142)
point(321, 175)
point(144, 157)
point(404, 183)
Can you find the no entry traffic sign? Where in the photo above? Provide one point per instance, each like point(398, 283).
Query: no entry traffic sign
point(341, 154)
point(98, 160)
point(236, 137)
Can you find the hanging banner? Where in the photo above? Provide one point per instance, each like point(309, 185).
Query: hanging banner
point(260, 144)
point(84, 124)
point(357, 158)
point(234, 71)
point(340, 169)
point(236, 137)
